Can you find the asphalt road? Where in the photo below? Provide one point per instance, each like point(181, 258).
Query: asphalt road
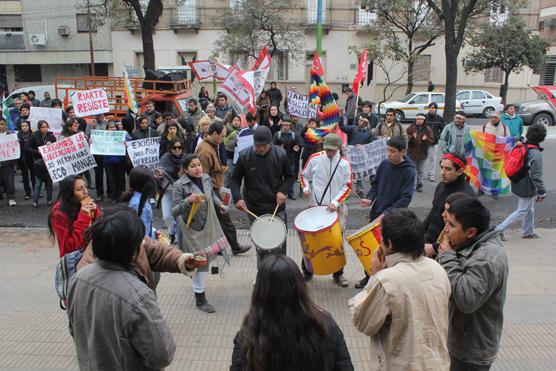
point(23, 215)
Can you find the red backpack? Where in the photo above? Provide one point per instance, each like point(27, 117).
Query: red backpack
point(516, 166)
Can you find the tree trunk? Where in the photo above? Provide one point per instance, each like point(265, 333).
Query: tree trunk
point(148, 47)
point(452, 54)
point(410, 68)
point(504, 86)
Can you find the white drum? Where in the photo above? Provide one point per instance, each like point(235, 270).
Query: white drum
point(267, 233)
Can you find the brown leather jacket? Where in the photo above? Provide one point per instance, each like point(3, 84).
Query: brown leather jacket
point(209, 156)
point(152, 256)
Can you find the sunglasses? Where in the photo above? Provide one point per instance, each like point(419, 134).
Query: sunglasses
point(177, 147)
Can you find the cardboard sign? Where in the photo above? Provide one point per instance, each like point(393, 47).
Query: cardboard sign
point(90, 102)
point(106, 142)
point(144, 152)
point(51, 115)
point(67, 157)
point(298, 105)
point(9, 147)
point(365, 158)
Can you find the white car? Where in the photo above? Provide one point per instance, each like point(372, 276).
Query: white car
point(409, 106)
point(479, 102)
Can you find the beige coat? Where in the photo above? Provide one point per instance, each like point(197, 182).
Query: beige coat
point(500, 130)
point(404, 309)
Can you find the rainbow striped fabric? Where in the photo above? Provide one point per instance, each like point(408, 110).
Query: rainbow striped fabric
point(129, 94)
point(319, 93)
point(485, 162)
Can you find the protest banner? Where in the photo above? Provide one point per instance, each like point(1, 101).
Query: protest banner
point(9, 147)
point(67, 157)
point(144, 152)
point(238, 88)
point(365, 158)
point(298, 105)
point(261, 68)
point(90, 102)
point(106, 142)
point(242, 143)
point(51, 115)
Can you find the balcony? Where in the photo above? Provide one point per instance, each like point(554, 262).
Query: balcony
point(12, 40)
point(185, 18)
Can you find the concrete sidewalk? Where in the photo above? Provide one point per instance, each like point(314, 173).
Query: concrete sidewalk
point(34, 334)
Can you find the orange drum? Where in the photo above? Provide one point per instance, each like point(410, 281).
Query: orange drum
point(365, 242)
point(320, 234)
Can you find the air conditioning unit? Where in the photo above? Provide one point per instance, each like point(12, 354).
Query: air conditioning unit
point(63, 31)
point(37, 39)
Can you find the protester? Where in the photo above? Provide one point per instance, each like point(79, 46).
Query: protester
point(454, 135)
point(222, 108)
point(392, 187)
point(366, 112)
point(142, 186)
point(513, 121)
point(436, 123)
point(208, 154)
point(352, 105)
point(73, 212)
point(24, 112)
point(495, 127)
point(172, 130)
point(291, 143)
point(390, 127)
point(420, 138)
point(430, 86)
point(263, 107)
point(211, 113)
point(204, 97)
point(39, 138)
point(193, 113)
point(267, 176)
point(274, 120)
point(326, 179)
point(309, 148)
point(25, 161)
point(47, 101)
point(190, 139)
point(114, 318)
point(275, 95)
point(167, 118)
point(150, 113)
point(529, 186)
point(7, 170)
point(14, 111)
point(230, 141)
point(204, 124)
point(284, 329)
point(404, 308)
point(70, 128)
point(477, 267)
point(98, 123)
point(204, 232)
point(115, 167)
point(71, 115)
point(143, 130)
point(33, 101)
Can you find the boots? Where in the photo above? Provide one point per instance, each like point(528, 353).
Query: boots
point(202, 304)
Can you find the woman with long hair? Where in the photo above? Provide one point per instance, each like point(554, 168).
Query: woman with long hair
point(142, 187)
point(284, 329)
point(39, 138)
point(171, 131)
point(25, 161)
point(70, 128)
point(73, 212)
point(274, 120)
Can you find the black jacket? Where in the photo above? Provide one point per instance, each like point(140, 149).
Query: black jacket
point(144, 134)
point(436, 123)
point(338, 359)
point(357, 135)
point(264, 177)
point(288, 141)
point(434, 224)
point(38, 141)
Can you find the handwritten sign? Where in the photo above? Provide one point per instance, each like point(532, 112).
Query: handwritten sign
point(365, 158)
point(90, 102)
point(51, 115)
point(106, 142)
point(67, 157)
point(144, 152)
point(9, 147)
point(298, 105)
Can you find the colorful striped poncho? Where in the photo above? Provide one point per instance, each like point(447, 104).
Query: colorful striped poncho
point(485, 162)
point(319, 93)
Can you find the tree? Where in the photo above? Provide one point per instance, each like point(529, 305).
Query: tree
point(413, 19)
point(254, 23)
point(509, 46)
point(456, 16)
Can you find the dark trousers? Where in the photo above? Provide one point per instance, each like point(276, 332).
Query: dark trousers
point(7, 178)
point(26, 166)
point(99, 175)
point(228, 228)
point(306, 271)
point(459, 365)
point(115, 174)
point(87, 175)
point(282, 249)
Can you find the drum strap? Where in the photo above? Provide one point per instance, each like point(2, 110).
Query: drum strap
point(329, 181)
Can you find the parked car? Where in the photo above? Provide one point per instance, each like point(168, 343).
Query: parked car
point(55, 92)
point(409, 106)
point(479, 102)
point(538, 111)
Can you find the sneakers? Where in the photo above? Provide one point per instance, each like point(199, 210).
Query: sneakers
point(27, 197)
point(12, 203)
point(241, 250)
point(431, 178)
point(419, 188)
point(202, 303)
point(49, 203)
point(502, 237)
point(35, 205)
point(341, 281)
point(361, 284)
point(530, 236)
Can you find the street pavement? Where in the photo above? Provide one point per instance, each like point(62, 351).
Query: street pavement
point(34, 330)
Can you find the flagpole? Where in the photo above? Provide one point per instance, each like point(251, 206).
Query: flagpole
point(319, 27)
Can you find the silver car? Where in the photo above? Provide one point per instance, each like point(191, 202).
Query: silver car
point(536, 112)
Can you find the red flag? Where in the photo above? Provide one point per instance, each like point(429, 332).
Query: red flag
point(317, 66)
point(263, 57)
point(361, 74)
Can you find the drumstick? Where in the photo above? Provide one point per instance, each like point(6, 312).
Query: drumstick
point(274, 213)
point(252, 214)
point(355, 193)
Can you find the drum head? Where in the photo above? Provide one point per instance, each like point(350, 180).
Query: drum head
point(315, 219)
point(267, 234)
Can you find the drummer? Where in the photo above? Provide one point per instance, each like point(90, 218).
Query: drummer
point(267, 176)
point(326, 180)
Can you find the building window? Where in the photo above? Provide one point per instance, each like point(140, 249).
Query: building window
point(279, 66)
point(187, 11)
point(312, 7)
point(422, 68)
point(547, 71)
point(27, 72)
point(365, 17)
point(493, 74)
point(83, 23)
point(184, 57)
point(499, 13)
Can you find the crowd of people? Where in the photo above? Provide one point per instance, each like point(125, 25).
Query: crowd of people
point(436, 294)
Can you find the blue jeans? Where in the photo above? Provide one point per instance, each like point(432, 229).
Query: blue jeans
point(166, 204)
point(37, 190)
point(525, 211)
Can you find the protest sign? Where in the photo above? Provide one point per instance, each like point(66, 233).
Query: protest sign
point(9, 147)
point(298, 105)
point(144, 152)
point(106, 142)
point(242, 143)
point(90, 102)
point(67, 157)
point(365, 158)
point(51, 115)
